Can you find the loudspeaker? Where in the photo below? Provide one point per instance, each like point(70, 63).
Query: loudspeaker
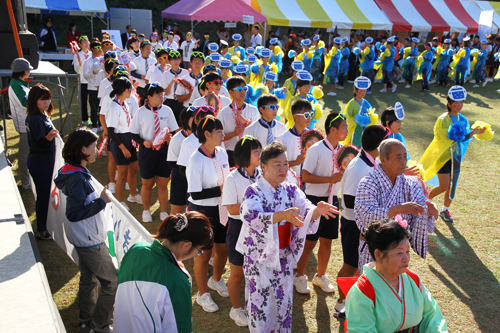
point(29, 42)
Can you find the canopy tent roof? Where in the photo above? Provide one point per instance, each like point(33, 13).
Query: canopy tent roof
point(212, 10)
point(66, 7)
point(489, 5)
point(343, 14)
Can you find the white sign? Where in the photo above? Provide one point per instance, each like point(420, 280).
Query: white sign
point(230, 25)
point(247, 19)
point(485, 22)
point(122, 229)
point(115, 37)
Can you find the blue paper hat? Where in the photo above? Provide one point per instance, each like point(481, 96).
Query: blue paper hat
point(447, 41)
point(316, 37)
point(306, 41)
point(273, 41)
point(399, 111)
point(415, 39)
point(225, 63)
point(457, 93)
point(391, 39)
point(484, 41)
point(337, 40)
point(304, 75)
point(252, 58)
point(250, 51)
point(236, 37)
point(258, 49)
point(345, 40)
point(215, 57)
point(292, 54)
point(265, 53)
point(297, 65)
point(466, 38)
point(369, 40)
point(213, 47)
point(271, 76)
point(362, 82)
point(240, 69)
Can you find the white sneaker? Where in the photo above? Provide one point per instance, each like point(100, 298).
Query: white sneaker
point(350, 81)
point(475, 86)
point(407, 86)
point(206, 302)
point(340, 306)
point(394, 88)
point(383, 90)
point(218, 286)
point(146, 216)
point(211, 261)
point(124, 204)
point(112, 187)
point(300, 283)
point(471, 81)
point(26, 187)
point(163, 216)
point(340, 87)
point(239, 316)
point(432, 81)
point(402, 81)
point(484, 83)
point(137, 199)
point(323, 283)
point(331, 93)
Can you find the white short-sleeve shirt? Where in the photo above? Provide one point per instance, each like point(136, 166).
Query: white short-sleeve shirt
point(188, 146)
point(181, 90)
point(172, 45)
point(319, 162)
point(259, 131)
point(117, 118)
point(201, 173)
point(154, 74)
point(225, 102)
point(105, 88)
point(293, 144)
point(234, 189)
point(142, 66)
point(227, 119)
point(174, 148)
point(168, 76)
point(144, 122)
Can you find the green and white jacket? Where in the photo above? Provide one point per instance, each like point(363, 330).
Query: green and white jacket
point(18, 98)
point(154, 292)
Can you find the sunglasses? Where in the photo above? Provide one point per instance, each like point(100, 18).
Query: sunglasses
point(206, 119)
point(122, 73)
point(98, 47)
point(217, 82)
point(198, 54)
point(142, 38)
point(111, 54)
point(306, 114)
point(146, 42)
point(247, 137)
point(191, 109)
point(164, 34)
point(240, 89)
point(206, 36)
point(113, 61)
point(152, 85)
point(163, 58)
point(107, 44)
point(174, 54)
point(205, 108)
point(340, 115)
point(121, 68)
point(133, 35)
point(210, 68)
point(189, 35)
point(170, 35)
point(272, 107)
point(154, 35)
point(82, 38)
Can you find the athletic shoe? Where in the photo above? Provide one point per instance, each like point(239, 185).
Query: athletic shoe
point(218, 286)
point(323, 283)
point(340, 306)
point(383, 90)
point(146, 216)
point(124, 204)
point(112, 187)
point(407, 86)
point(432, 81)
point(484, 83)
point(87, 123)
point(402, 81)
point(350, 81)
point(163, 216)
point(300, 283)
point(206, 302)
point(331, 93)
point(446, 216)
point(475, 86)
point(394, 88)
point(239, 316)
point(26, 187)
point(340, 87)
point(472, 81)
point(135, 199)
point(47, 236)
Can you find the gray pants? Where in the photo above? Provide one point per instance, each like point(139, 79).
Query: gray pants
point(22, 158)
point(96, 266)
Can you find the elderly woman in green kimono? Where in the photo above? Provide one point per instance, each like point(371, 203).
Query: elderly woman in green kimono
point(388, 297)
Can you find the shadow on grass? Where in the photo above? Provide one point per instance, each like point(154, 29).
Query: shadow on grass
point(477, 286)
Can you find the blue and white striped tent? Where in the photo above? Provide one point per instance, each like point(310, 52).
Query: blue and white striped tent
point(67, 7)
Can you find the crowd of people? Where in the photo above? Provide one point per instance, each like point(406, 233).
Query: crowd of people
point(253, 180)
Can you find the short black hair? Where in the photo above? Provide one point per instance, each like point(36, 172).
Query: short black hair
point(108, 65)
point(385, 235)
point(199, 117)
point(78, 138)
point(207, 78)
point(388, 115)
point(150, 90)
point(301, 83)
point(209, 125)
point(235, 81)
point(372, 136)
point(271, 151)
point(329, 124)
point(243, 150)
point(161, 53)
point(265, 100)
point(95, 44)
point(17, 75)
point(184, 116)
point(301, 105)
point(256, 27)
point(145, 43)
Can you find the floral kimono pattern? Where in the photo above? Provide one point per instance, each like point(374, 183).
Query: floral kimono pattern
point(269, 269)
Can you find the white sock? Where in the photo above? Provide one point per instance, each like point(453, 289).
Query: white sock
point(445, 208)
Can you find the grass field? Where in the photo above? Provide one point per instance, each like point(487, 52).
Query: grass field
point(462, 269)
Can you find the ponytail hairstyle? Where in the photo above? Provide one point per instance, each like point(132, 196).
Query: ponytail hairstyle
point(191, 227)
point(77, 139)
point(151, 89)
point(199, 115)
point(120, 85)
point(185, 116)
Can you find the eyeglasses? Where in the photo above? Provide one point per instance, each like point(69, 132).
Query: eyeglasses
point(306, 114)
point(205, 108)
point(240, 89)
point(163, 58)
point(206, 119)
point(174, 54)
point(198, 54)
point(200, 252)
point(217, 82)
point(272, 107)
point(247, 137)
point(98, 47)
point(82, 38)
point(111, 54)
point(340, 115)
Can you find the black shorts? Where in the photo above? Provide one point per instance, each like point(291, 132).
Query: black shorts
point(446, 168)
point(233, 233)
point(350, 241)
point(120, 159)
point(230, 158)
point(178, 188)
point(328, 229)
point(154, 162)
point(212, 212)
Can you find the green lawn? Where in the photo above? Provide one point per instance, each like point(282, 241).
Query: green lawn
point(462, 269)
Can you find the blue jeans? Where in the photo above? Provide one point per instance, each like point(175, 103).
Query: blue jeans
point(41, 172)
point(368, 73)
point(425, 78)
point(460, 75)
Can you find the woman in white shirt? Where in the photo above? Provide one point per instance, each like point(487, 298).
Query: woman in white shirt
point(206, 171)
point(146, 127)
point(118, 120)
